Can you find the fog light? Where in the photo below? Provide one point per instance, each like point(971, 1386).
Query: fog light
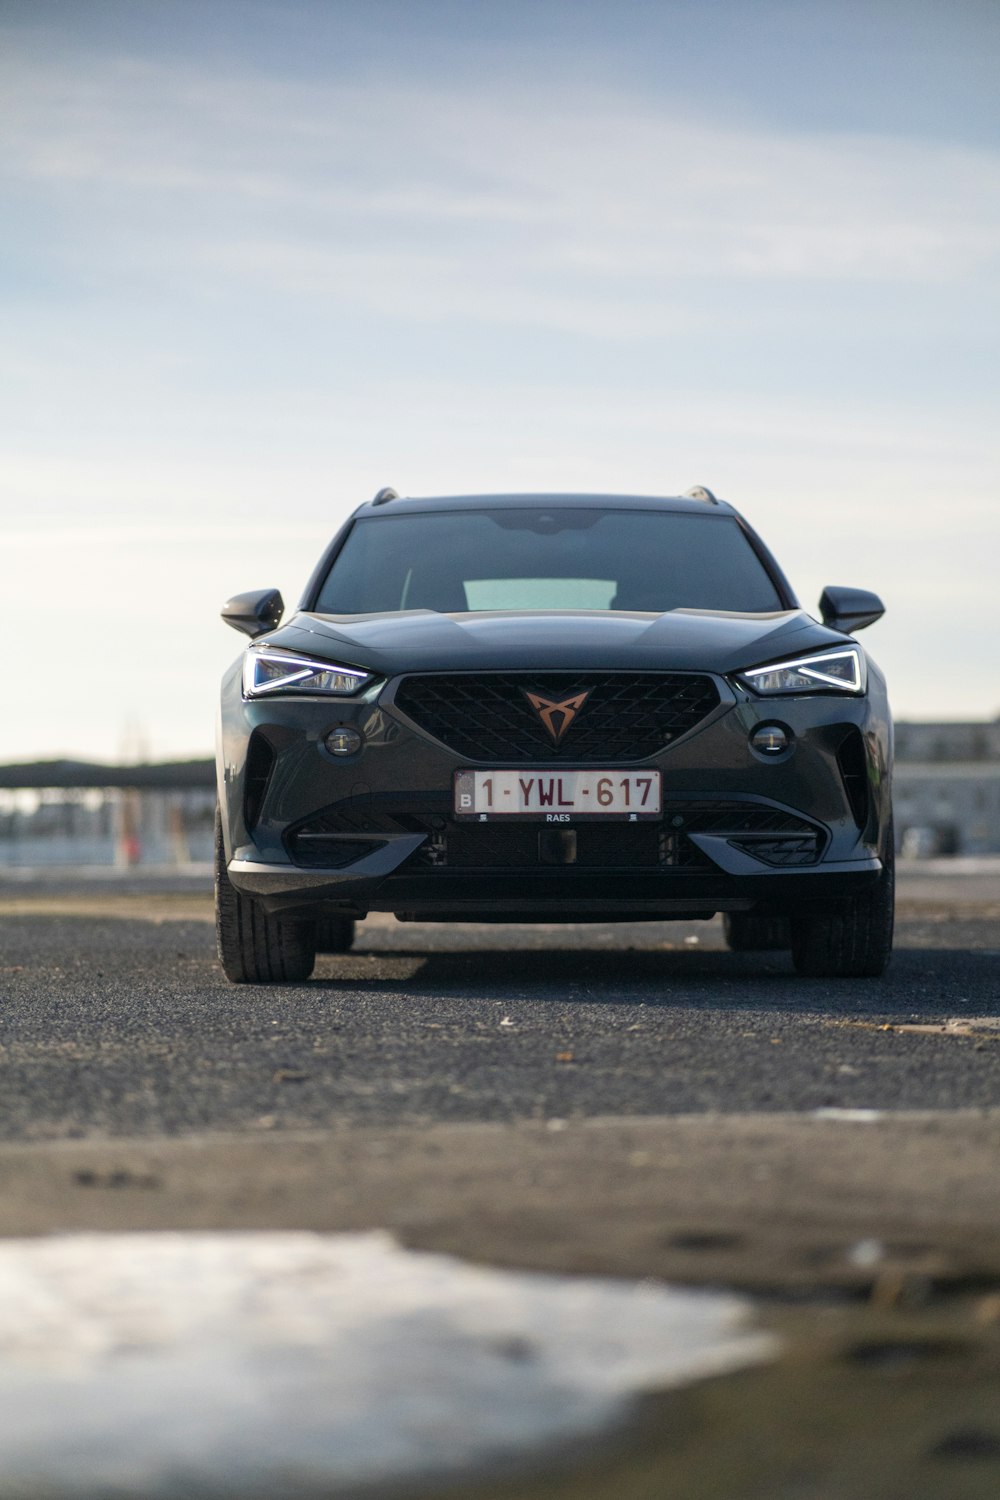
point(343, 741)
point(770, 739)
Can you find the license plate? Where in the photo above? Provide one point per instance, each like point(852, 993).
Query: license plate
point(558, 796)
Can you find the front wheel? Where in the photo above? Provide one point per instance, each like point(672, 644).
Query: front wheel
point(255, 948)
point(853, 941)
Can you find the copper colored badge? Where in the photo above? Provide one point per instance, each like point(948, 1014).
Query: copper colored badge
point(557, 717)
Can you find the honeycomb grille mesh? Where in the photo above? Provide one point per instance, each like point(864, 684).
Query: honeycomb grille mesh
point(625, 716)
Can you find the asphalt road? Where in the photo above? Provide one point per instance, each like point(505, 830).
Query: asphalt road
point(621, 1100)
point(121, 1025)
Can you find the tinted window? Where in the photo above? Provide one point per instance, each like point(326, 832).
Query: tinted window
point(532, 559)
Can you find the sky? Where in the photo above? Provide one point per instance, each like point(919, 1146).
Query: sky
point(259, 259)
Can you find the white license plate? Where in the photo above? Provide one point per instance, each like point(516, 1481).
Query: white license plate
point(557, 796)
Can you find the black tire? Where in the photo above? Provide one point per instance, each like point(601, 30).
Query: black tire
point(746, 933)
point(255, 948)
point(334, 934)
point(853, 941)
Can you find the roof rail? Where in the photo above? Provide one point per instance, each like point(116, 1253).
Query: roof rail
point(385, 495)
point(699, 492)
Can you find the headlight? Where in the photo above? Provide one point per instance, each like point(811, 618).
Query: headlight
point(840, 671)
point(267, 670)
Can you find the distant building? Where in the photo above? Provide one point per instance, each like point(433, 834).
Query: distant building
point(947, 788)
point(977, 741)
point(61, 813)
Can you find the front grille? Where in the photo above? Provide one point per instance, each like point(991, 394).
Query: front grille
point(332, 837)
point(626, 715)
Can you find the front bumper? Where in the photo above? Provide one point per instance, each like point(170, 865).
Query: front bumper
point(386, 814)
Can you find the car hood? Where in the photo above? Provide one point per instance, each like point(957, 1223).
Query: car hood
point(681, 640)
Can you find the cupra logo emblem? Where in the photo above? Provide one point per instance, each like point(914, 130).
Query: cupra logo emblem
point(557, 717)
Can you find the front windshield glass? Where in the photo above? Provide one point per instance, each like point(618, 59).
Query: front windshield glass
point(458, 561)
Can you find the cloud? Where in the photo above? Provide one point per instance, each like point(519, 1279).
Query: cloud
point(495, 202)
point(246, 301)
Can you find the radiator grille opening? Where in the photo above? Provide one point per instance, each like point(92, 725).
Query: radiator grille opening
point(623, 716)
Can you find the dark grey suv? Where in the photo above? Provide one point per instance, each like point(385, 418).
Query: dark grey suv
point(549, 708)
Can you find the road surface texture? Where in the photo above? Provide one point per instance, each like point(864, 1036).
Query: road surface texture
point(621, 1100)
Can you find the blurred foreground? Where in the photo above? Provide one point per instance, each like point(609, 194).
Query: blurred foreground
point(626, 1101)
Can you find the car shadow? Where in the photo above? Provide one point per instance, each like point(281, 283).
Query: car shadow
point(924, 981)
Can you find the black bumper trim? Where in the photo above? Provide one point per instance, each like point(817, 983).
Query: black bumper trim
point(287, 888)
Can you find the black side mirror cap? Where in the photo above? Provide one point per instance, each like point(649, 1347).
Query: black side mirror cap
point(849, 609)
point(255, 612)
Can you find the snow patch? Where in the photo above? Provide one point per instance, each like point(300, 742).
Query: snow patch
point(265, 1363)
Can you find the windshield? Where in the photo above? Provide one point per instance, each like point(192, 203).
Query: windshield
point(458, 561)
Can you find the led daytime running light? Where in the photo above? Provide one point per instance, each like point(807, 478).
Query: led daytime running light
point(810, 668)
point(300, 673)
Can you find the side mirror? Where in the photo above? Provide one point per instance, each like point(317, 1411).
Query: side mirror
point(255, 612)
point(850, 609)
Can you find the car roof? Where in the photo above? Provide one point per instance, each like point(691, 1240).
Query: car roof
point(416, 504)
